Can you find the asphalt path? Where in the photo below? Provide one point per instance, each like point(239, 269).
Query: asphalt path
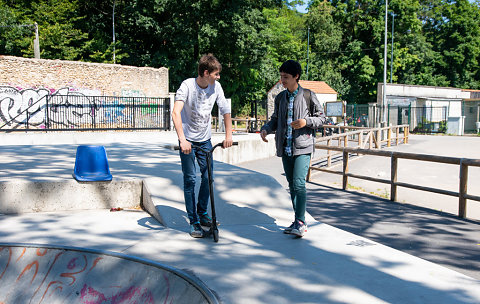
point(433, 235)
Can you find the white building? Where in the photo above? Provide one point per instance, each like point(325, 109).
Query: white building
point(418, 105)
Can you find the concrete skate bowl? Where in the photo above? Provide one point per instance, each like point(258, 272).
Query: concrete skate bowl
point(49, 274)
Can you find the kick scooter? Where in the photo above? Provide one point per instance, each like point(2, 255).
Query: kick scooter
point(214, 227)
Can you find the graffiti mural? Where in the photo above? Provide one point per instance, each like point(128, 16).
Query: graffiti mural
point(55, 275)
point(69, 108)
point(22, 106)
point(114, 112)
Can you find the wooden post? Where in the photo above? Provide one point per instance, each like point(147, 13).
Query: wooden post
point(397, 134)
point(370, 135)
point(393, 178)
point(406, 133)
point(360, 140)
point(329, 154)
point(462, 201)
point(389, 137)
point(345, 170)
point(378, 142)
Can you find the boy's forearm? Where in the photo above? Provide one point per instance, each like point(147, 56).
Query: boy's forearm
point(177, 123)
point(227, 121)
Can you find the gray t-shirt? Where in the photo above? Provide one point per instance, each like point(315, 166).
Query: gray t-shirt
point(197, 109)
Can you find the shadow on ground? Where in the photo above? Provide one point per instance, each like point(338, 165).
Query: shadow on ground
point(432, 235)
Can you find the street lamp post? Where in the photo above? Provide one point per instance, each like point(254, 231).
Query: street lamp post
point(391, 57)
point(308, 48)
point(113, 26)
point(384, 97)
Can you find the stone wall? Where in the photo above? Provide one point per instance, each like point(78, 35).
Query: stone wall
point(82, 77)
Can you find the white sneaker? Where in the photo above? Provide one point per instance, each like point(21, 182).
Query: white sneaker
point(299, 228)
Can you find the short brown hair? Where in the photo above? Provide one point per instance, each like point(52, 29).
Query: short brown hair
point(208, 63)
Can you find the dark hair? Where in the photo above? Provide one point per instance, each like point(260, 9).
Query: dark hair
point(208, 63)
point(292, 67)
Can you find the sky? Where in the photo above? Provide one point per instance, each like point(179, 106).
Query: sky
point(302, 8)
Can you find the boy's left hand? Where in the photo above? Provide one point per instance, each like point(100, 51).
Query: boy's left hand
point(299, 123)
point(227, 143)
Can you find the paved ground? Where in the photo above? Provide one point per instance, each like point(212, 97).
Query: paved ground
point(427, 233)
point(254, 262)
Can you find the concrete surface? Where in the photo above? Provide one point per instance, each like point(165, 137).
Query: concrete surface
point(51, 274)
point(254, 262)
point(436, 236)
point(248, 149)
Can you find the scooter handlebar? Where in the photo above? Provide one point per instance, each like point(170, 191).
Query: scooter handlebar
point(235, 143)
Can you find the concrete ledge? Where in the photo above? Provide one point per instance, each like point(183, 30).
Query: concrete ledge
point(27, 196)
point(24, 197)
point(148, 205)
point(250, 147)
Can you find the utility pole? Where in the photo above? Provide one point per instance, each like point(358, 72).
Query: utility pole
point(391, 57)
point(36, 43)
point(113, 26)
point(384, 97)
point(308, 48)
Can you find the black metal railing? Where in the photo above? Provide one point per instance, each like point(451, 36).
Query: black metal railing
point(86, 113)
point(422, 119)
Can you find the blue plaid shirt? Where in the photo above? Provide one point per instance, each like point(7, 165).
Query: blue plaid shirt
point(288, 135)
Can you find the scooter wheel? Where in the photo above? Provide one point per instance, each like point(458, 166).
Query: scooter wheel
point(215, 235)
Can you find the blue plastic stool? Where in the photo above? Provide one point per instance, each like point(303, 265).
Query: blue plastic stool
point(91, 164)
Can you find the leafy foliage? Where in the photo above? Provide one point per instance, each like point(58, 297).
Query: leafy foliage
point(436, 42)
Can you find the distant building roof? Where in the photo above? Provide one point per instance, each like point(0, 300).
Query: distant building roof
point(318, 87)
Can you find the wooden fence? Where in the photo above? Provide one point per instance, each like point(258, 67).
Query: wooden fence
point(464, 164)
point(362, 137)
point(241, 124)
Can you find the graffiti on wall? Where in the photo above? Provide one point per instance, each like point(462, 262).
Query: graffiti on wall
point(17, 106)
point(44, 275)
point(68, 108)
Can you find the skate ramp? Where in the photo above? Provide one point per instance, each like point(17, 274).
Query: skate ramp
point(49, 274)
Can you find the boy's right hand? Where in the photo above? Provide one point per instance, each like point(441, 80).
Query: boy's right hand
point(263, 135)
point(185, 147)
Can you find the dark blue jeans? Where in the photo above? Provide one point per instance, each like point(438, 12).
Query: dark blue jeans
point(296, 169)
point(190, 176)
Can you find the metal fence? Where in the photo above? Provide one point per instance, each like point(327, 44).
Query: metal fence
point(80, 112)
point(424, 119)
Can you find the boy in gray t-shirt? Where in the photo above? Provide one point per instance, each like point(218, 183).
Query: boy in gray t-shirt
point(192, 120)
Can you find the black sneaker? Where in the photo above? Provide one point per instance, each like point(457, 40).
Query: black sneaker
point(205, 220)
point(288, 230)
point(196, 231)
point(299, 228)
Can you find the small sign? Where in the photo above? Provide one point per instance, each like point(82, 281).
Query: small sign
point(334, 108)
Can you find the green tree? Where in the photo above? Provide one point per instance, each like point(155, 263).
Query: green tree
point(361, 57)
point(459, 42)
point(59, 35)
point(13, 35)
point(325, 42)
